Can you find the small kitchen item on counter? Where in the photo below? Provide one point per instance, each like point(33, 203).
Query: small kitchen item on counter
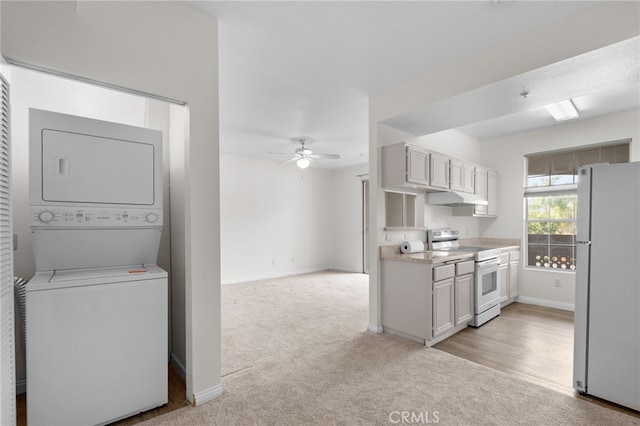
point(412, 246)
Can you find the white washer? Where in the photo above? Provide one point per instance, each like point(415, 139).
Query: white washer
point(97, 342)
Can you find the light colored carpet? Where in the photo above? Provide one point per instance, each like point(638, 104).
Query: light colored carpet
point(295, 352)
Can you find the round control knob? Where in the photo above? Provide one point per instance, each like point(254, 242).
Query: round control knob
point(151, 217)
point(45, 216)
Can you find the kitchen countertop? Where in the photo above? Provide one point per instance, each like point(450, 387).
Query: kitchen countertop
point(430, 256)
point(392, 252)
point(500, 243)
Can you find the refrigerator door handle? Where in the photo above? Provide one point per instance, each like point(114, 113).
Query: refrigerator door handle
point(584, 242)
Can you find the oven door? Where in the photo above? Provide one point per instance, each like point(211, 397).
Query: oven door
point(487, 285)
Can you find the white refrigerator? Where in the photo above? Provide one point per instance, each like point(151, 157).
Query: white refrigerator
point(607, 305)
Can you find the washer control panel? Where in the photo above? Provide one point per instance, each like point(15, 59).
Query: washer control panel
point(90, 217)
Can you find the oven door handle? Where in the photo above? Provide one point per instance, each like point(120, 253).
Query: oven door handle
point(487, 263)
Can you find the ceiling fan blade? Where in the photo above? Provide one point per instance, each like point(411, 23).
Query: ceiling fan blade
point(291, 160)
point(327, 156)
point(280, 153)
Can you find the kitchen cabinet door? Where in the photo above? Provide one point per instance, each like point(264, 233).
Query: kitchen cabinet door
point(514, 274)
point(463, 295)
point(503, 272)
point(443, 306)
point(456, 175)
point(439, 171)
point(481, 176)
point(469, 175)
point(492, 193)
point(418, 166)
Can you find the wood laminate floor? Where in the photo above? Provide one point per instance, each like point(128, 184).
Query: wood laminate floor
point(176, 396)
point(525, 341)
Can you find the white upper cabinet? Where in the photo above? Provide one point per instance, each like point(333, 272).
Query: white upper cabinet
point(462, 176)
point(439, 171)
point(469, 178)
point(417, 166)
point(492, 193)
point(411, 168)
point(481, 189)
point(456, 170)
point(405, 166)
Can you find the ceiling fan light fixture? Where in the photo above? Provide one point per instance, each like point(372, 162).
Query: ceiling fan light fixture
point(303, 163)
point(563, 110)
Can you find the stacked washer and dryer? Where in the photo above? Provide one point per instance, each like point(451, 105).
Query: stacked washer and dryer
point(97, 306)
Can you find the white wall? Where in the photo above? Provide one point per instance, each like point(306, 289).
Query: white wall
point(276, 219)
point(506, 154)
point(171, 50)
point(178, 135)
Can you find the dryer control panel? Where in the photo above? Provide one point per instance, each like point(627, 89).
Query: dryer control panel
point(88, 217)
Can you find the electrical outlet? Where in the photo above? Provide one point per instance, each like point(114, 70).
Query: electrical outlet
point(556, 282)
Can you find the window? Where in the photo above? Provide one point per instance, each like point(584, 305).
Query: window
point(551, 201)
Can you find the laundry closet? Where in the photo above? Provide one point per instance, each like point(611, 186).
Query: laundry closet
point(97, 307)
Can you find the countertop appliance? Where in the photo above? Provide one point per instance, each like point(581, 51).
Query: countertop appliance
point(607, 304)
point(487, 277)
point(97, 306)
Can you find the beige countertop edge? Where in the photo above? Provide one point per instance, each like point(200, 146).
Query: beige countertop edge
point(392, 251)
point(425, 257)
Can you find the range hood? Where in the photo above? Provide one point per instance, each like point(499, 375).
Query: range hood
point(455, 199)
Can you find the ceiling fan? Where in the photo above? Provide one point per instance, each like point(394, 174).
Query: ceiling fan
point(303, 155)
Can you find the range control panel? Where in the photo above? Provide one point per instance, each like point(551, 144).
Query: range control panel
point(90, 217)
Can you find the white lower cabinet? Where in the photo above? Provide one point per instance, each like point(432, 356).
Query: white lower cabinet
point(503, 273)
point(443, 306)
point(514, 274)
point(406, 299)
point(509, 276)
point(464, 298)
point(426, 302)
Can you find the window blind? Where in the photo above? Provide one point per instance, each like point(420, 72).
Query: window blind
point(557, 171)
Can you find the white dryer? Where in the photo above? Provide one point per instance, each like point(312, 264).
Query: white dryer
point(97, 307)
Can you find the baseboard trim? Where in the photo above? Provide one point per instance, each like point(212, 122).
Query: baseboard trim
point(207, 395)
point(374, 328)
point(248, 279)
point(21, 386)
point(546, 303)
point(179, 366)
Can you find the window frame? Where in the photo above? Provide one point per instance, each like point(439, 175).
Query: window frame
point(575, 156)
point(549, 244)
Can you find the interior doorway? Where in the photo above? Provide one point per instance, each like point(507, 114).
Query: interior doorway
point(42, 90)
point(365, 226)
